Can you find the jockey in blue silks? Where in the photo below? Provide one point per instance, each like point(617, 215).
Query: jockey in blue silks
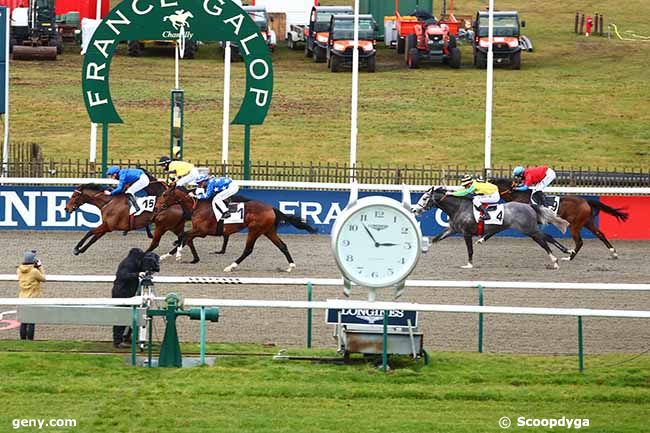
point(134, 176)
point(219, 189)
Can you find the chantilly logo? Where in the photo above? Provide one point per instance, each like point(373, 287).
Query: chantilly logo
point(178, 20)
point(378, 227)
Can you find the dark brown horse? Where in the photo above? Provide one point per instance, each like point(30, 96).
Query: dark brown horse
point(115, 215)
point(579, 212)
point(259, 218)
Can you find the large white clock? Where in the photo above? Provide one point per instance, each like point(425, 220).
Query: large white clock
point(376, 242)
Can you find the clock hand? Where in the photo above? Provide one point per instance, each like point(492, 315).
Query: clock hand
point(386, 244)
point(370, 234)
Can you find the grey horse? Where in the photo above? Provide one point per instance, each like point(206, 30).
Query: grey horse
point(518, 216)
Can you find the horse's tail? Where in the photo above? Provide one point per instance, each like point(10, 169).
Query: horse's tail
point(295, 221)
point(546, 216)
point(597, 206)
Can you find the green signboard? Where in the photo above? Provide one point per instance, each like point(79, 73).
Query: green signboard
point(204, 20)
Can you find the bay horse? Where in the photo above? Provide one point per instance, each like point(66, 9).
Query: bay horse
point(579, 212)
point(518, 216)
point(115, 215)
point(259, 218)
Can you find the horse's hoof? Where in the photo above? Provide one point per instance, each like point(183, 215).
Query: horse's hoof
point(291, 267)
point(467, 266)
point(75, 252)
point(178, 258)
point(566, 259)
point(195, 261)
point(481, 241)
point(165, 256)
point(230, 268)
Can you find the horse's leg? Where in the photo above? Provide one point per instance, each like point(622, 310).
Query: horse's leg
point(148, 230)
point(155, 241)
point(600, 235)
point(550, 239)
point(178, 245)
point(223, 245)
point(96, 236)
point(273, 237)
point(484, 238)
point(539, 238)
point(88, 234)
point(470, 251)
point(577, 240)
point(248, 249)
point(441, 236)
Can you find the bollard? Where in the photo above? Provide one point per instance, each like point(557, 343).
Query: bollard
point(480, 319)
point(601, 19)
point(581, 365)
point(582, 24)
point(309, 314)
point(575, 23)
point(384, 355)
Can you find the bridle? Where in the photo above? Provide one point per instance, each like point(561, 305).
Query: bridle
point(177, 201)
point(79, 193)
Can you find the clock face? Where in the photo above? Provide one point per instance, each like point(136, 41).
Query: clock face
point(376, 245)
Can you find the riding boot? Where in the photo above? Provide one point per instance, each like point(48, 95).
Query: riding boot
point(538, 198)
point(225, 213)
point(133, 202)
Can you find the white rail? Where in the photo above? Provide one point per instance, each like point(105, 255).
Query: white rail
point(338, 304)
point(322, 185)
point(338, 282)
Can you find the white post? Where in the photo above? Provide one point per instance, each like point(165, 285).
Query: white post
point(355, 93)
point(488, 92)
point(5, 144)
point(93, 126)
point(225, 128)
point(176, 73)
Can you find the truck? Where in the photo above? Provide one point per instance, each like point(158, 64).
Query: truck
point(340, 44)
point(431, 41)
point(316, 34)
point(259, 15)
point(507, 43)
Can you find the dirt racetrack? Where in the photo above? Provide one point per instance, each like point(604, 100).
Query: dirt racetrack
point(503, 259)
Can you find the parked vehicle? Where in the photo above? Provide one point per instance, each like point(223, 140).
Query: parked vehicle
point(33, 33)
point(261, 18)
point(340, 46)
point(317, 32)
point(431, 42)
point(507, 41)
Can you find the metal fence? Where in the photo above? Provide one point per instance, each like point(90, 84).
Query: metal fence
point(27, 161)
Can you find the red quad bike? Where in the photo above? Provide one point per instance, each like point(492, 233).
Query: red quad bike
point(431, 42)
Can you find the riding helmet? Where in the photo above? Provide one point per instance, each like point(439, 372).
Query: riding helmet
point(202, 179)
point(518, 171)
point(164, 160)
point(113, 169)
point(467, 179)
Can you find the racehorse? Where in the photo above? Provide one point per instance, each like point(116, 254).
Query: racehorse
point(115, 215)
point(259, 218)
point(518, 216)
point(579, 212)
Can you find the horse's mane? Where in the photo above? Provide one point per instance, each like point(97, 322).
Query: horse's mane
point(240, 199)
point(93, 187)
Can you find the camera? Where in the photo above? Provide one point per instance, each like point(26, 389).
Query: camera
point(150, 265)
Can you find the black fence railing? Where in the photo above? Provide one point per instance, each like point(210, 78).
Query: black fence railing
point(333, 172)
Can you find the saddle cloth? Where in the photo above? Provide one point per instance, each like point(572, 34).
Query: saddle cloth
point(552, 202)
point(146, 205)
point(236, 213)
point(496, 214)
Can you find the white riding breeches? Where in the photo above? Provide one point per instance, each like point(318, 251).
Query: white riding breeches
point(541, 186)
point(218, 205)
point(189, 177)
point(492, 198)
point(138, 185)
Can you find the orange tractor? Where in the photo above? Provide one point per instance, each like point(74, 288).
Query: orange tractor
point(430, 41)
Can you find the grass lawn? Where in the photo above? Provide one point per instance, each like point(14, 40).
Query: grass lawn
point(577, 102)
point(456, 392)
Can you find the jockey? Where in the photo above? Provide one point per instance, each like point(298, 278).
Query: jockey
point(221, 188)
point(136, 177)
point(534, 178)
point(484, 192)
point(180, 172)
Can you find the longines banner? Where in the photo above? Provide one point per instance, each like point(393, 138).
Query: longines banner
point(43, 208)
point(205, 20)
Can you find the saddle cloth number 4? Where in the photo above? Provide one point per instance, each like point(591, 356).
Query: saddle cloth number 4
point(495, 212)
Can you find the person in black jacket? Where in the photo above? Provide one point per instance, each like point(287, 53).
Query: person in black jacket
point(126, 285)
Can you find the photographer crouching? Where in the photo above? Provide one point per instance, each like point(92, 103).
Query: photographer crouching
point(137, 264)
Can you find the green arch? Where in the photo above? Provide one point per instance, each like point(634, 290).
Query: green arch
point(205, 20)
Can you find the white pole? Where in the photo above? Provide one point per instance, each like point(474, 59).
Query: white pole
point(98, 10)
point(5, 144)
point(488, 92)
point(93, 126)
point(176, 78)
point(225, 128)
point(355, 93)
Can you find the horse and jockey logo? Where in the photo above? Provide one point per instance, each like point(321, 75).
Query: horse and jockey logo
point(179, 20)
